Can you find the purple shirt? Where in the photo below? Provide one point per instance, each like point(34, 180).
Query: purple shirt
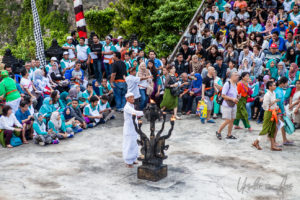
point(230, 92)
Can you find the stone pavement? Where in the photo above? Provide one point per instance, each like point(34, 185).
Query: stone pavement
point(90, 166)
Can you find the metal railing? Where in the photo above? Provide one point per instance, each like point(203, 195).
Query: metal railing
point(197, 14)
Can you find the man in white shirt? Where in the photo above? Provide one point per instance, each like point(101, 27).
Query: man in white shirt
point(132, 85)
point(83, 51)
point(213, 13)
point(228, 15)
point(70, 47)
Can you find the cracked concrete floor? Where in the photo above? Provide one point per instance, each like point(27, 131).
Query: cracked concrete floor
point(90, 166)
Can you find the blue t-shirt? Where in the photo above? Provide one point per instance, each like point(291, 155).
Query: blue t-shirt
point(22, 116)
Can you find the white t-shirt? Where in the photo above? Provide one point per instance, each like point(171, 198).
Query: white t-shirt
point(132, 85)
point(228, 17)
point(26, 83)
point(71, 51)
point(82, 52)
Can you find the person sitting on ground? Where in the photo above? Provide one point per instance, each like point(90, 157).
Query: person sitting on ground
point(10, 125)
point(59, 127)
point(26, 119)
point(92, 114)
point(105, 108)
point(41, 135)
point(76, 112)
point(71, 121)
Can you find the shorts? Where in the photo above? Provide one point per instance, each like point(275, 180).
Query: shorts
point(209, 103)
point(228, 112)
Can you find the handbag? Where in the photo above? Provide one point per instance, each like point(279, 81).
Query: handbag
point(220, 99)
point(15, 141)
point(175, 91)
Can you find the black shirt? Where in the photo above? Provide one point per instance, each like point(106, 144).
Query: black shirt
point(181, 67)
point(75, 42)
point(186, 54)
point(119, 67)
point(209, 83)
point(97, 48)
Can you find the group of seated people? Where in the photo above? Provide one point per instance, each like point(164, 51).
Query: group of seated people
point(51, 102)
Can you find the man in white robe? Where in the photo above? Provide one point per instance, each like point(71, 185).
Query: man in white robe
point(130, 136)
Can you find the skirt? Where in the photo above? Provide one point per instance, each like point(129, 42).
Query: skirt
point(241, 113)
point(269, 127)
point(169, 101)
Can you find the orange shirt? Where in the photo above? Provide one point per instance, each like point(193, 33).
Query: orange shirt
point(240, 4)
point(242, 89)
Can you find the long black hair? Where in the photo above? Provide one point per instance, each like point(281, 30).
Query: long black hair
point(153, 70)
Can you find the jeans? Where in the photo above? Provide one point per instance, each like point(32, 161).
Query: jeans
point(97, 69)
point(249, 109)
point(119, 92)
point(144, 99)
point(107, 69)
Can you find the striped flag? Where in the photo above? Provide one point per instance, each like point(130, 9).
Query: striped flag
point(37, 32)
point(80, 21)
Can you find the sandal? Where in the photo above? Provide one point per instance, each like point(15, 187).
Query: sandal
point(238, 127)
point(256, 145)
point(219, 136)
point(275, 149)
point(129, 166)
point(9, 146)
point(288, 143)
point(231, 137)
point(25, 142)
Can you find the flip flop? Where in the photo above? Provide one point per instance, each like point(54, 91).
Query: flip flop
point(291, 143)
point(211, 121)
point(231, 137)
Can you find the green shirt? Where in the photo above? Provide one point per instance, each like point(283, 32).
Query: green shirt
point(9, 90)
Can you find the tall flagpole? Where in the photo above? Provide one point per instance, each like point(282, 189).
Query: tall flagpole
point(37, 32)
point(80, 20)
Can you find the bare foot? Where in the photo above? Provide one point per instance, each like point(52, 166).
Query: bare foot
point(129, 166)
point(250, 129)
point(25, 142)
point(9, 146)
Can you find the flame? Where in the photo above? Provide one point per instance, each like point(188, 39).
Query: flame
point(173, 118)
point(152, 101)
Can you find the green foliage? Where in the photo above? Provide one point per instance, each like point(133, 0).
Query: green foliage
point(100, 21)
point(156, 22)
point(53, 24)
point(167, 21)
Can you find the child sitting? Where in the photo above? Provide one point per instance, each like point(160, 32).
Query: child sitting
point(41, 136)
point(92, 114)
point(58, 127)
point(105, 109)
point(71, 121)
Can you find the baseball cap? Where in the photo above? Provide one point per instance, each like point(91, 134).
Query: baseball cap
point(66, 53)
point(227, 5)
point(120, 37)
point(108, 37)
point(69, 38)
point(273, 45)
point(54, 58)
